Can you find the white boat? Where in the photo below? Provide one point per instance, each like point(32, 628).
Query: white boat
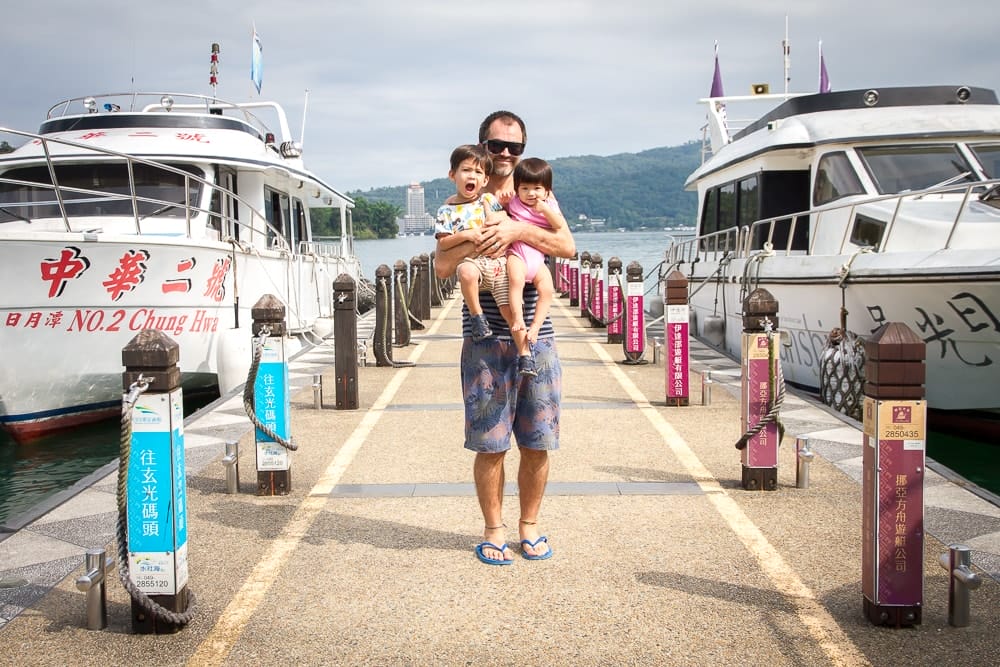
point(884, 201)
point(152, 210)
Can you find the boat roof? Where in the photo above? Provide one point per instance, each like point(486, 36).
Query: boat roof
point(171, 127)
point(910, 113)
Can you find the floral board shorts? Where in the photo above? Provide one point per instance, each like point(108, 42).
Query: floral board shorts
point(500, 403)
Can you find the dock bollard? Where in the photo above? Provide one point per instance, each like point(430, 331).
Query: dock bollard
point(345, 336)
point(400, 305)
point(232, 463)
point(596, 308)
point(93, 583)
point(616, 301)
point(155, 502)
point(584, 283)
point(270, 399)
point(760, 392)
point(957, 561)
point(892, 508)
point(706, 388)
point(433, 284)
point(803, 457)
point(574, 280)
point(675, 339)
point(635, 315)
point(382, 338)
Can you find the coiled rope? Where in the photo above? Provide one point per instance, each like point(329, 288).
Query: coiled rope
point(155, 609)
point(248, 392)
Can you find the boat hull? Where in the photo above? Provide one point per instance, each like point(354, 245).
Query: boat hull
point(954, 309)
point(62, 330)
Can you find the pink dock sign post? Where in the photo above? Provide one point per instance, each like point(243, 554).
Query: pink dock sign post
point(616, 300)
point(760, 359)
point(584, 283)
point(574, 280)
point(675, 339)
point(892, 520)
point(596, 290)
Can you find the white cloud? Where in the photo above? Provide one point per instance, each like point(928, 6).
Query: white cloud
point(395, 85)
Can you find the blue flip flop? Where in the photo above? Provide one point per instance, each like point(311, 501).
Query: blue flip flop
point(544, 556)
point(491, 561)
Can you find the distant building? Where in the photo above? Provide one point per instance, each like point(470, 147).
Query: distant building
point(417, 220)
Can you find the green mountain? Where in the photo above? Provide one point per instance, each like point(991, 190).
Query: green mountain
point(629, 190)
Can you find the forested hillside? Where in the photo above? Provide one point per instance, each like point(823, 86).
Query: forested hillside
point(629, 190)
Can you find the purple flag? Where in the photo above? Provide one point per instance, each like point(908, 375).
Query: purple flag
point(824, 79)
point(717, 77)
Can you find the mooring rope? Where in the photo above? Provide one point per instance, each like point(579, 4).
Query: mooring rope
point(248, 392)
point(155, 609)
point(776, 394)
point(383, 347)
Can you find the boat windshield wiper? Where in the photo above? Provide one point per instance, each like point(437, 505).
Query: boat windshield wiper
point(948, 181)
point(14, 215)
point(162, 209)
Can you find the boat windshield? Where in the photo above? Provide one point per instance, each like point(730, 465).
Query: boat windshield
point(906, 168)
point(988, 156)
point(96, 189)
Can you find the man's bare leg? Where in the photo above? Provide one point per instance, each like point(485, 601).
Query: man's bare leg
point(532, 475)
point(488, 474)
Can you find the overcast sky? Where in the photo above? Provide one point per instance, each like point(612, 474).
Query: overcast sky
point(396, 84)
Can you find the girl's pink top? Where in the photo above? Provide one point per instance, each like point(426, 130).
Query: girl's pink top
point(533, 258)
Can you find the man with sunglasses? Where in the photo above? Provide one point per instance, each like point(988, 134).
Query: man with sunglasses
point(499, 402)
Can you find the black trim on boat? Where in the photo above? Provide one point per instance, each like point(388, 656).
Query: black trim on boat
point(905, 96)
point(129, 120)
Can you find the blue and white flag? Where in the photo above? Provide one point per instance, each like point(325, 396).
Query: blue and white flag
point(256, 62)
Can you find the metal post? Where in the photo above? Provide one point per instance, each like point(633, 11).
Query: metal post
point(706, 388)
point(93, 583)
point(961, 582)
point(317, 387)
point(232, 463)
point(803, 457)
point(584, 283)
point(401, 316)
point(574, 280)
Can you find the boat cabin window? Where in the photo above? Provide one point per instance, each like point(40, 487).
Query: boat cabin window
point(225, 208)
point(989, 157)
point(301, 222)
point(835, 178)
point(898, 169)
point(99, 189)
point(278, 214)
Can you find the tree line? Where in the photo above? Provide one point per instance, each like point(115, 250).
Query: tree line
point(628, 191)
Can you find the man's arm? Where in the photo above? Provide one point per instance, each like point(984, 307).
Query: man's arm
point(554, 242)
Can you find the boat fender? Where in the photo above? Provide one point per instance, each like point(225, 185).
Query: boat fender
point(714, 330)
point(233, 357)
point(842, 373)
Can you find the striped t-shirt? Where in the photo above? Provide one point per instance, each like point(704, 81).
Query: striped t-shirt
point(497, 323)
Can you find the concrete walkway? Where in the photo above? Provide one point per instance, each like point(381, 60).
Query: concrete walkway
point(659, 556)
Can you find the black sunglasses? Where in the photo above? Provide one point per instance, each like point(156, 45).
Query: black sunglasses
point(496, 147)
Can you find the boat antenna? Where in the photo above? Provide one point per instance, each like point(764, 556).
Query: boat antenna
point(213, 70)
point(786, 50)
point(305, 105)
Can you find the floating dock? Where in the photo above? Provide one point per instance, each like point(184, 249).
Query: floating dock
point(660, 557)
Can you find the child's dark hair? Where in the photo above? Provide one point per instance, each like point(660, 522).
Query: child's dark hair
point(474, 151)
point(533, 170)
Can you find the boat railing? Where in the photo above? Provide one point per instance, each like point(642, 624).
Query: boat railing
point(783, 233)
point(164, 101)
point(257, 225)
